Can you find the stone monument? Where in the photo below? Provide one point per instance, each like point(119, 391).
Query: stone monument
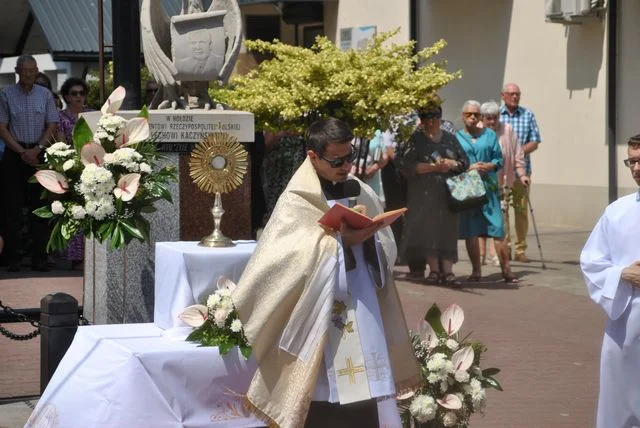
point(183, 53)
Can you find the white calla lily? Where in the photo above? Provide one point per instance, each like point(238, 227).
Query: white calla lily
point(225, 283)
point(194, 315)
point(450, 401)
point(463, 358)
point(92, 153)
point(127, 187)
point(426, 331)
point(52, 181)
point(135, 131)
point(114, 101)
point(452, 319)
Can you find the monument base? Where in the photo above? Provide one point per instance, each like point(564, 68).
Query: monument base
point(119, 285)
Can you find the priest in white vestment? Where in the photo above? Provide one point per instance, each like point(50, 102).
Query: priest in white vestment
point(319, 307)
point(610, 262)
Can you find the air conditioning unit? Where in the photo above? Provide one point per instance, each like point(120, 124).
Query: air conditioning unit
point(573, 11)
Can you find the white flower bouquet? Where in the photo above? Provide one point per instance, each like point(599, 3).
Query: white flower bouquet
point(105, 182)
point(217, 322)
point(454, 385)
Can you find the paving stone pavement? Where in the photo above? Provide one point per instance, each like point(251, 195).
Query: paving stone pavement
point(544, 334)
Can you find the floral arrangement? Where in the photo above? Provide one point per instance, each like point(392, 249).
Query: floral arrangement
point(371, 88)
point(105, 183)
point(453, 384)
point(217, 322)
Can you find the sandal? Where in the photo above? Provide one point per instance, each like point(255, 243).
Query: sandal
point(434, 278)
point(451, 280)
point(511, 279)
point(473, 278)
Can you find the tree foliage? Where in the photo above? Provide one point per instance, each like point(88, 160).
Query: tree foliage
point(373, 88)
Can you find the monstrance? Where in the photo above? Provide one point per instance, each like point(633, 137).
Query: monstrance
point(217, 165)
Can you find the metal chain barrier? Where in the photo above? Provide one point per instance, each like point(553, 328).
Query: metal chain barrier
point(22, 318)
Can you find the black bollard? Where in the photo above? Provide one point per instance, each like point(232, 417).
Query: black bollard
point(58, 325)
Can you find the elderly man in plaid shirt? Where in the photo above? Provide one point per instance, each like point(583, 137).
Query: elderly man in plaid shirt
point(28, 119)
point(525, 125)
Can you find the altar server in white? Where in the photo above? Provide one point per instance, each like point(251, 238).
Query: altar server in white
point(610, 262)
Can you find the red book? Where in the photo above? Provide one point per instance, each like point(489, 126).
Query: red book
point(338, 213)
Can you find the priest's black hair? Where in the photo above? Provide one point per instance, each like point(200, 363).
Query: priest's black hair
point(635, 140)
point(324, 131)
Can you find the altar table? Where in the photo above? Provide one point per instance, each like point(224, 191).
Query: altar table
point(134, 375)
point(186, 274)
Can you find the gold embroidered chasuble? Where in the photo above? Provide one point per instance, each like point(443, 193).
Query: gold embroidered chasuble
point(280, 292)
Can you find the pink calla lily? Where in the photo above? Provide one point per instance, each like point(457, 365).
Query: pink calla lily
point(114, 101)
point(405, 395)
point(52, 181)
point(225, 283)
point(463, 358)
point(452, 319)
point(450, 401)
point(425, 330)
point(92, 153)
point(135, 131)
point(194, 315)
point(127, 187)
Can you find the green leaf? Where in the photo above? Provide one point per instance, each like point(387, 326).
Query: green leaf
point(131, 230)
point(144, 227)
point(433, 318)
point(117, 238)
point(144, 112)
point(490, 372)
point(492, 382)
point(44, 212)
point(81, 134)
point(195, 335)
point(225, 347)
point(245, 351)
point(65, 231)
point(149, 209)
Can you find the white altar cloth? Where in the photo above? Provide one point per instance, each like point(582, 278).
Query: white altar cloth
point(187, 273)
point(132, 376)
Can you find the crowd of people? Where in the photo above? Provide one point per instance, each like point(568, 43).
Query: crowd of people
point(495, 140)
point(32, 117)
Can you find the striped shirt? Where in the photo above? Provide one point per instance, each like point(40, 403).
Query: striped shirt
point(524, 123)
point(27, 113)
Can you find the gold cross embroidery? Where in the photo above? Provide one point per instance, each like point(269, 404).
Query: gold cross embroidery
point(351, 371)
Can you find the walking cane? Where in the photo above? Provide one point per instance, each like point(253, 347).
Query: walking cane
point(535, 229)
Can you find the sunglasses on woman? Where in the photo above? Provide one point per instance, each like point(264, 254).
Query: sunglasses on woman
point(76, 93)
point(338, 162)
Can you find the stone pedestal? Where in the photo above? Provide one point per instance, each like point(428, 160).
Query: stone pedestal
point(119, 285)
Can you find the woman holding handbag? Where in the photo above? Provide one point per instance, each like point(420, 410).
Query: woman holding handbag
point(431, 232)
point(485, 156)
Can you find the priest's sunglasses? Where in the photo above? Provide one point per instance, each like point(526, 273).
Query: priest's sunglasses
point(338, 162)
point(631, 162)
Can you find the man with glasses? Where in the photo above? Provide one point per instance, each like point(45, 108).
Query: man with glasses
point(319, 307)
point(525, 125)
point(28, 120)
point(610, 263)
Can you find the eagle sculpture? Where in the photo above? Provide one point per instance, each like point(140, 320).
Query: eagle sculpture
point(185, 52)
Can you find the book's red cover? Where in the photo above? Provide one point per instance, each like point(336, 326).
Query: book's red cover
point(338, 213)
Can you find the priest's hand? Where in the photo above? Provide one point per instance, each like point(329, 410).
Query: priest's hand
point(351, 237)
point(632, 273)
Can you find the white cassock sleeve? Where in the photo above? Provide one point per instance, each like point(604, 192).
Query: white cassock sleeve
point(601, 273)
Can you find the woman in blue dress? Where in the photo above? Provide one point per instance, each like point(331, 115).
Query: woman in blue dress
point(483, 150)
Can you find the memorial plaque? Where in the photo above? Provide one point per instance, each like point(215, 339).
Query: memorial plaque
point(178, 131)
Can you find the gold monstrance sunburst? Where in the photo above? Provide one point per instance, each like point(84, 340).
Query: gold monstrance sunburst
point(217, 165)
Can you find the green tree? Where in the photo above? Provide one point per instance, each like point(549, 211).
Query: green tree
point(373, 88)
